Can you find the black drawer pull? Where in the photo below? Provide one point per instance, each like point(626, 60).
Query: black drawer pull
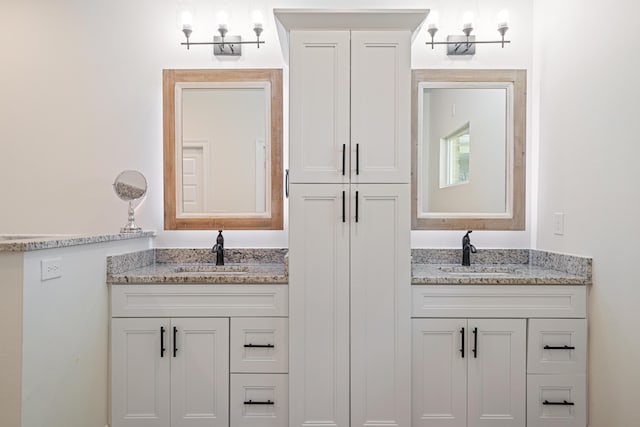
point(259, 346)
point(344, 218)
point(462, 349)
point(251, 402)
point(175, 341)
point(356, 206)
point(162, 349)
point(564, 347)
point(563, 403)
point(475, 343)
point(344, 155)
point(357, 159)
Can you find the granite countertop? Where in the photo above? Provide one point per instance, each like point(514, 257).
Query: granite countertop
point(32, 242)
point(269, 266)
point(174, 266)
point(499, 267)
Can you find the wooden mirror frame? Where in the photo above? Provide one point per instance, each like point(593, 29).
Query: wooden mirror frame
point(169, 80)
point(517, 219)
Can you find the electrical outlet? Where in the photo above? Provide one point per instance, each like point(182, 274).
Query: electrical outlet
point(558, 223)
point(51, 268)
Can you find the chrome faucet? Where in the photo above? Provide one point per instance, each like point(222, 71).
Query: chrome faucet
point(467, 249)
point(218, 248)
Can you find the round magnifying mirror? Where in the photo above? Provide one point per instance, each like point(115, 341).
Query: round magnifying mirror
point(130, 186)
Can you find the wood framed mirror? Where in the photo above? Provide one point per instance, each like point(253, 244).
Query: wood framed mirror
point(223, 149)
point(468, 149)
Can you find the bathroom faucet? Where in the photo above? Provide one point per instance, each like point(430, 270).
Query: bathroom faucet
point(218, 248)
point(467, 249)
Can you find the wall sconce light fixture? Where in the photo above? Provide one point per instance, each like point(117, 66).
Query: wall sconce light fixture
point(223, 44)
point(466, 44)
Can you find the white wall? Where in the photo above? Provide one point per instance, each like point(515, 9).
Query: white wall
point(82, 100)
point(65, 344)
point(589, 97)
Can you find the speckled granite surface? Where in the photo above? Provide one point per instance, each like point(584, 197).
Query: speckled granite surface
point(429, 267)
point(25, 243)
point(499, 267)
point(250, 266)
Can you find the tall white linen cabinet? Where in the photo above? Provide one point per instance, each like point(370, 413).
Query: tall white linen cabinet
point(349, 216)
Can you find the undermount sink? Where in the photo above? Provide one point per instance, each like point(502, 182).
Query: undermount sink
point(212, 269)
point(478, 270)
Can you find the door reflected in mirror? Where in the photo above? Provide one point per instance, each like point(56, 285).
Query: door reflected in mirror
point(468, 157)
point(223, 149)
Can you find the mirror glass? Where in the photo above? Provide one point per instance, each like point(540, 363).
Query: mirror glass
point(468, 157)
point(226, 140)
point(130, 186)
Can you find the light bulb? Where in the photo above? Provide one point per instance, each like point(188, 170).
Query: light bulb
point(467, 20)
point(503, 19)
point(256, 18)
point(432, 20)
point(223, 19)
point(187, 20)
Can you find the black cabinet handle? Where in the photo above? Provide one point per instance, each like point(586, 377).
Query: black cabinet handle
point(259, 402)
point(344, 218)
point(475, 343)
point(286, 183)
point(357, 159)
point(563, 403)
point(356, 206)
point(259, 346)
point(564, 347)
point(462, 349)
point(162, 349)
point(344, 157)
point(175, 341)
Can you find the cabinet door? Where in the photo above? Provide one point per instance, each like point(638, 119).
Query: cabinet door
point(319, 304)
point(439, 373)
point(380, 106)
point(319, 113)
point(200, 372)
point(140, 372)
point(380, 305)
point(497, 372)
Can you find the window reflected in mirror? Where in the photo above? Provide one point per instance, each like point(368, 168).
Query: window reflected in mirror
point(454, 157)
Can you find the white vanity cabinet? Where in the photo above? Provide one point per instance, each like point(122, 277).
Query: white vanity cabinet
point(350, 322)
point(349, 216)
point(469, 372)
point(517, 358)
point(170, 372)
point(199, 355)
point(350, 106)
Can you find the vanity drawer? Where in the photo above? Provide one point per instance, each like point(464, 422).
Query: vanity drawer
point(499, 301)
point(259, 400)
point(556, 401)
point(206, 300)
point(557, 346)
point(259, 344)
